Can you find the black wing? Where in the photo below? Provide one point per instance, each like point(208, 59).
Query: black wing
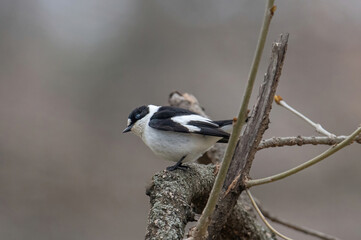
point(161, 120)
point(209, 128)
point(167, 125)
point(169, 112)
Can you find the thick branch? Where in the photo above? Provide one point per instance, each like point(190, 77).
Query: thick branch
point(171, 194)
point(175, 196)
point(247, 146)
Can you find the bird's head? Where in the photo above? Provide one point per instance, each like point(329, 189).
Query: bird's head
point(135, 120)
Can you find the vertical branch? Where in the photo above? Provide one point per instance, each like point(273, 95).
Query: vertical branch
point(204, 221)
point(248, 144)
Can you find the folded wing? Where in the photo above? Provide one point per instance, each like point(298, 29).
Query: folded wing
point(182, 120)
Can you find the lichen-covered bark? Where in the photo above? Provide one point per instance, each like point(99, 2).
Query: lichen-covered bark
point(176, 196)
point(171, 195)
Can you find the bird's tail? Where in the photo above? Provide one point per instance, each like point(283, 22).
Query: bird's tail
point(226, 125)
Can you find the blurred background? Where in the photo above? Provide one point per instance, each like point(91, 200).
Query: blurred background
point(71, 71)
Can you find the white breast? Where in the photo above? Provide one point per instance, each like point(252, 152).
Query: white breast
point(173, 146)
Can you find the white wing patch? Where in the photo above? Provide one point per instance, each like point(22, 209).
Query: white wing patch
point(184, 120)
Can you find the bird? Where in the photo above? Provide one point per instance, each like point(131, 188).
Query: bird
point(176, 134)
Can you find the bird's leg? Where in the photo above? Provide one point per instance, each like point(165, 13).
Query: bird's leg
point(178, 165)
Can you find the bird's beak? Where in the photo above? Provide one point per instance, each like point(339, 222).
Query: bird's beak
point(128, 129)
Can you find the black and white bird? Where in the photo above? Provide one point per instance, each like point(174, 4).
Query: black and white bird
point(176, 134)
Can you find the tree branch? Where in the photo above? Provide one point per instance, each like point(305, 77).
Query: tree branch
point(263, 217)
point(325, 154)
point(300, 140)
point(171, 195)
point(205, 219)
point(176, 196)
point(247, 146)
point(302, 229)
point(318, 127)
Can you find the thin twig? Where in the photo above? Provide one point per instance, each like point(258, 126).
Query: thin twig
point(264, 219)
point(203, 222)
point(301, 140)
point(302, 229)
point(279, 100)
point(327, 153)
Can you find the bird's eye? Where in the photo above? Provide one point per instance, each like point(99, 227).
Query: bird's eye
point(137, 116)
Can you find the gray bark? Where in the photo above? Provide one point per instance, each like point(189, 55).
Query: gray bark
point(176, 197)
point(301, 140)
point(171, 196)
point(247, 146)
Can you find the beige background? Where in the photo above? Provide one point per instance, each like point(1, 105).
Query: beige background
point(71, 71)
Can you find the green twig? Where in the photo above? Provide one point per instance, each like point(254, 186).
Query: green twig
point(203, 222)
point(263, 218)
point(327, 153)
